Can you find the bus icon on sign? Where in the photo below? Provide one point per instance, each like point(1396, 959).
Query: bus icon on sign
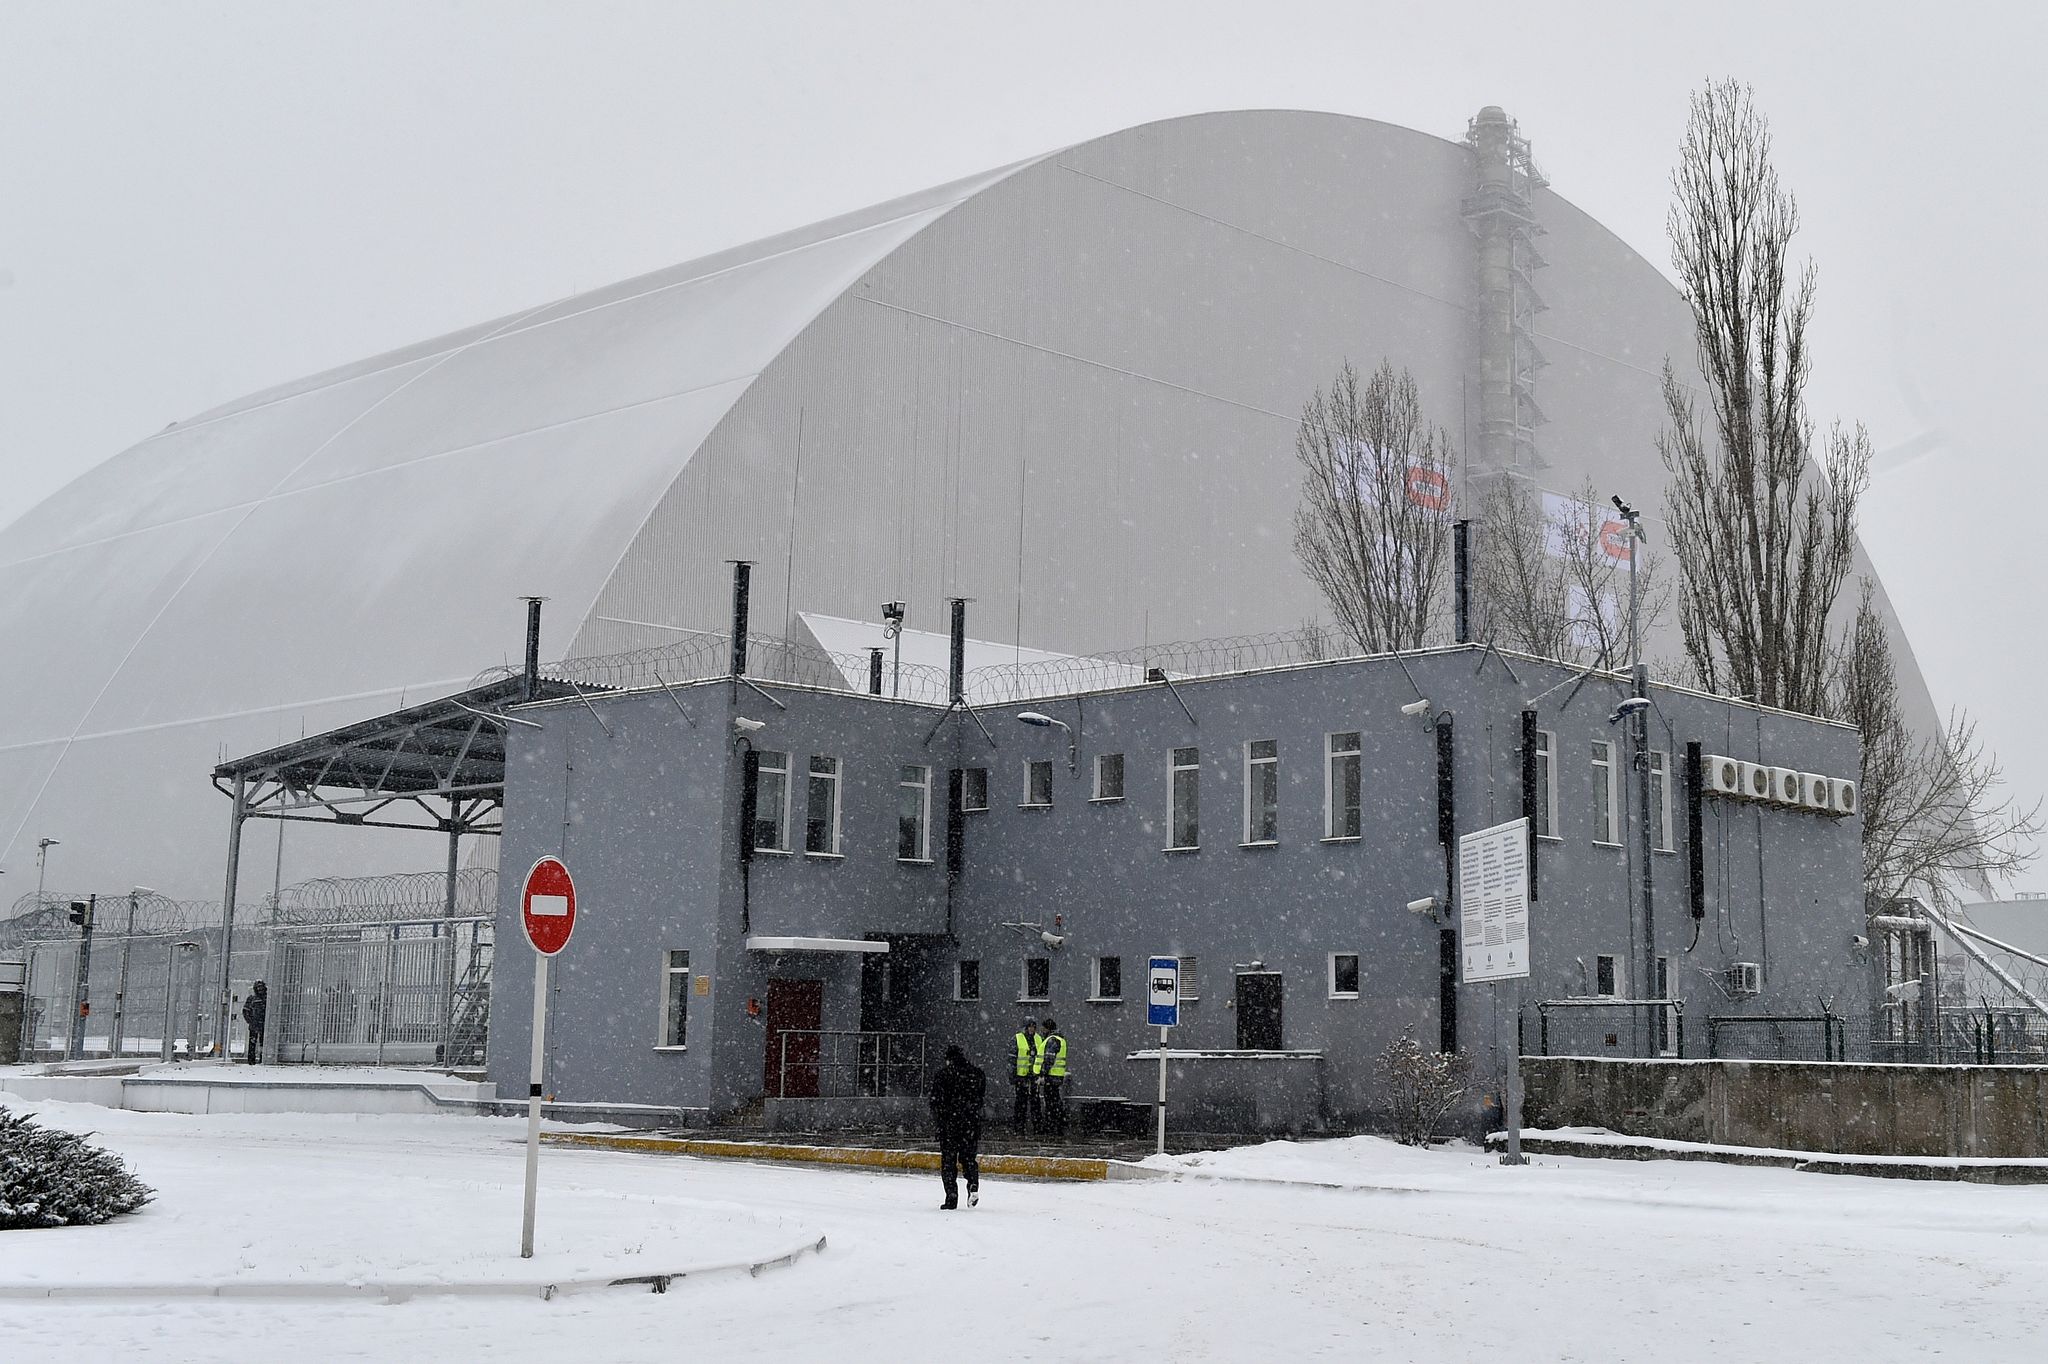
point(1162, 1009)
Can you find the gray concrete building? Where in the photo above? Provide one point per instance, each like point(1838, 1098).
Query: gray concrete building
point(941, 874)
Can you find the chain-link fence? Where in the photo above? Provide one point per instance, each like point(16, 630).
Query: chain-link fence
point(1777, 1037)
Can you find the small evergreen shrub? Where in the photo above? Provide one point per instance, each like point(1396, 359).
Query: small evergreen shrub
point(59, 1179)
point(1422, 1086)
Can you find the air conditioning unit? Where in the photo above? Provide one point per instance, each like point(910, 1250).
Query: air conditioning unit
point(1816, 792)
point(1756, 781)
point(1721, 776)
point(1745, 978)
point(1784, 786)
point(1847, 797)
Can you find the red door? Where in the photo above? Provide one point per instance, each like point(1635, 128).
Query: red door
point(795, 1007)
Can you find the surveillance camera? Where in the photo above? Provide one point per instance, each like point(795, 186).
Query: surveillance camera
point(1859, 941)
point(742, 725)
point(1051, 939)
point(1416, 707)
point(1426, 905)
point(894, 610)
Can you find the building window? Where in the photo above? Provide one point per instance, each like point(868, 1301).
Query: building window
point(1038, 783)
point(1109, 978)
point(1546, 784)
point(1660, 799)
point(675, 999)
point(1037, 980)
point(914, 814)
point(974, 788)
point(1606, 806)
point(1604, 976)
point(1342, 816)
point(1343, 975)
point(1184, 787)
point(821, 808)
point(967, 981)
point(1190, 979)
point(1262, 791)
point(771, 802)
point(1109, 776)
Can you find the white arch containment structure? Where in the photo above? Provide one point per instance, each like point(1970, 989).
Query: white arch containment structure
point(1067, 389)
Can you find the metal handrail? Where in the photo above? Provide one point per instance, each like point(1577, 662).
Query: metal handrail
point(878, 1057)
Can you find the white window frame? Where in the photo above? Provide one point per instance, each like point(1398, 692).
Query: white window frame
point(1251, 764)
point(1546, 768)
point(1095, 994)
point(960, 980)
point(1357, 974)
point(1607, 769)
point(1331, 756)
point(763, 769)
point(1174, 768)
point(1660, 798)
point(966, 774)
point(1024, 995)
point(1101, 761)
point(921, 785)
point(1033, 768)
point(812, 779)
point(670, 970)
point(1615, 979)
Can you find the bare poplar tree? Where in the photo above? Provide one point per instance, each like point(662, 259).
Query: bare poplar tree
point(1764, 535)
point(1934, 810)
point(1373, 530)
point(1548, 581)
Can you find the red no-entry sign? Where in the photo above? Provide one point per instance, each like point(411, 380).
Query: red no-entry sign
point(548, 906)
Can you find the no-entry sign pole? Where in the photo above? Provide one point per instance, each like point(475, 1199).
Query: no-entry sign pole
point(547, 908)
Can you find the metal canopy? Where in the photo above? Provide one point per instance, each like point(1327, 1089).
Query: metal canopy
point(394, 770)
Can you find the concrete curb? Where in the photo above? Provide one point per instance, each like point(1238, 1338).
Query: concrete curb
point(391, 1292)
point(1960, 1171)
point(1079, 1169)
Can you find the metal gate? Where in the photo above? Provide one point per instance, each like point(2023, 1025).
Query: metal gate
point(413, 992)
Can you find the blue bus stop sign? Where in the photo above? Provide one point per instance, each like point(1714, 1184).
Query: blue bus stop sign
point(1162, 994)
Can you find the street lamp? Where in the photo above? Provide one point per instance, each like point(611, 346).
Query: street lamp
point(1636, 709)
point(43, 846)
point(1040, 720)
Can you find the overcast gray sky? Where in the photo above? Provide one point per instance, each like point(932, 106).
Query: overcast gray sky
point(197, 201)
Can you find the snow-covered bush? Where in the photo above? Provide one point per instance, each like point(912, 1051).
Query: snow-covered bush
point(59, 1179)
point(1421, 1087)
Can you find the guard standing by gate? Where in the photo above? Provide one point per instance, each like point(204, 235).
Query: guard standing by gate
point(1024, 1114)
point(1054, 1078)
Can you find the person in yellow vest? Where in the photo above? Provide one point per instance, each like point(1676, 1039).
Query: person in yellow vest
point(1024, 1115)
point(1053, 1078)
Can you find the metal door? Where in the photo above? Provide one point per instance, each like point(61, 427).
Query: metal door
point(1258, 1011)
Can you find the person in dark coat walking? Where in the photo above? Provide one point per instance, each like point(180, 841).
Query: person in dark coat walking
point(254, 1009)
point(958, 1091)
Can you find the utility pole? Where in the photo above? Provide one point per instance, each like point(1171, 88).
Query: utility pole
point(1639, 739)
point(81, 983)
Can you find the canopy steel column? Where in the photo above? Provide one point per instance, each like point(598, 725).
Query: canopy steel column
point(448, 937)
point(227, 932)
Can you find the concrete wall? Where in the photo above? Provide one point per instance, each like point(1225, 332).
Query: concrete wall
point(647, 819)
point(1992, 1112)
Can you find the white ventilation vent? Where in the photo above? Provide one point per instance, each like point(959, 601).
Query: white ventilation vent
point(1756, 782)
point(1720, 776)
point(1785, 785)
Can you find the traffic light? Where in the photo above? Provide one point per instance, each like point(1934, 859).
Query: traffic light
point(81, 913)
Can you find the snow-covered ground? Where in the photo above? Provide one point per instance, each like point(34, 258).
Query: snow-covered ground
point(1351, 1249)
